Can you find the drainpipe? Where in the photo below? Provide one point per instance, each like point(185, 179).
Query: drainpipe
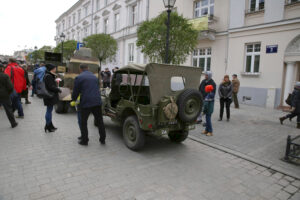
point(147, 11)
point(92, 24)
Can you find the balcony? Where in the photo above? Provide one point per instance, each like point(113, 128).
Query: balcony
point(204, 26)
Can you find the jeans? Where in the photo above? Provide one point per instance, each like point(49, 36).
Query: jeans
point(208, 127)
point(227, 103)
point(8, 110)
point(48, 115)
point(33, 83)
point(292, 115)
point(16, 103)
point(97, 112)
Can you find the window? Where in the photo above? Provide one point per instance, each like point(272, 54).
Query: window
point(85, 32)
point(74, 18)
point(131, 52)
point(202, 58)
point(69, 22)
point(133, 15)
point(105, 2)
point(86, 10)
point(177, 83)
point(292, 1)
point(78, 36)
point(252, 58)
point(97, 4)
point(79, 15)
point(96, 27)
point(105, 26)
point(256, 5)
point(204, 7)
point(73, 36)
point(63, 25)
point(117, 22)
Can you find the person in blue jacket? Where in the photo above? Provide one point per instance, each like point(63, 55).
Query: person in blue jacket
point(87, 85)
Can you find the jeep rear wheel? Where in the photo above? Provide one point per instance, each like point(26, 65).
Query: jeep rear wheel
point(189, 105)
point(133, 135)
point(178, 136)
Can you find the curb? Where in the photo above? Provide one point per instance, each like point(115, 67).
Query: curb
point(263, 163)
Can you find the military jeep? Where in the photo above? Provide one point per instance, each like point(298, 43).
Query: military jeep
point(68, 75)
point(154, 99)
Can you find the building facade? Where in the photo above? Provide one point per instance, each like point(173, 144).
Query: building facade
point(257, 39)
point(119, 18)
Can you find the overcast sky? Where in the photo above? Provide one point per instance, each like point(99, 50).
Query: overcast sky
point(29, 23)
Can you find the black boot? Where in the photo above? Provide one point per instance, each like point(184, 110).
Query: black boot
point(52, 126)
point(281, 119)
point(48, 128)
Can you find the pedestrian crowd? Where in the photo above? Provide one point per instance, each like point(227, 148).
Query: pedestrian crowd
point(15, 85)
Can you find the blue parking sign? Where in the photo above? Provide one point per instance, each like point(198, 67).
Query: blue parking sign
point(79, 45)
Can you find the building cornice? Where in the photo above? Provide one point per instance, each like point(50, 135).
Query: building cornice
point(70, 10)
point(265, 25)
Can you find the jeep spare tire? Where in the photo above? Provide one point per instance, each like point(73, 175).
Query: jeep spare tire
point(189, 105)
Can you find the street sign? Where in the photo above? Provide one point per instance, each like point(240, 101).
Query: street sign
point(272, 48)
point(79, 45)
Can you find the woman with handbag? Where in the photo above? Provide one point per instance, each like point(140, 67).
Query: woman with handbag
point(52, 99)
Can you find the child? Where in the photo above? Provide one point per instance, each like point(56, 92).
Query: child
point(208, 109)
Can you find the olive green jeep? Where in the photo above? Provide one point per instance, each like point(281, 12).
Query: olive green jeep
point(154, 99)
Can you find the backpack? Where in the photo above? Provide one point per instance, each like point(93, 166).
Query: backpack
point(39, 73)
point(42, 91)
point(288, 101)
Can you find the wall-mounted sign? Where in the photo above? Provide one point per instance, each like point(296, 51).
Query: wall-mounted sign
point(272, 48)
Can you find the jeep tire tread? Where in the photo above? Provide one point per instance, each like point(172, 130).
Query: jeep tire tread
point(189, 105)
point(178, 136)
point(133, 135)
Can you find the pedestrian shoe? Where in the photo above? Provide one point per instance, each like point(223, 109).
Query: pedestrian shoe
point(79, 138)
point(20, 117)
point(83, 143)
point(199, 122)
point(298, 125)
point(209, 134)
point(14, 125)
point(281, 119)
point(48, 128)
point(204, 132)
point(52, 127)
point(27, 102)
point(102, 141)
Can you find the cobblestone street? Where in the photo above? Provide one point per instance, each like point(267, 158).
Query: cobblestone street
point(35, 165)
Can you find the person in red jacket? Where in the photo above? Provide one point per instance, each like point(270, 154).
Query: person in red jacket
point(17, 77)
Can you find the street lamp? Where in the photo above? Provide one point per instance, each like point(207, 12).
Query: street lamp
point(169, 4)
point(62, 39)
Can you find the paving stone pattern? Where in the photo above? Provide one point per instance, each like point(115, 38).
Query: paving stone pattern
point(39, 166)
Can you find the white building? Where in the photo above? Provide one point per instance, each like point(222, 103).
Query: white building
point(257, 39)
point(119, 18)
point(21, 55)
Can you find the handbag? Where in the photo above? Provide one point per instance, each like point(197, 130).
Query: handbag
point(288, 100)
point(42, 91)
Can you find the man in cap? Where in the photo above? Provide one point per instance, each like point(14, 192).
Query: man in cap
point(235, 90)
point(207, 81)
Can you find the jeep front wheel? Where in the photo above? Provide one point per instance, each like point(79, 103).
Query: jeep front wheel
point(178, 136)
point(133, 135)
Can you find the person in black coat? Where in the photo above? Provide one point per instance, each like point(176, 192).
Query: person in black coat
point(207, 81)
point(6, 88)
point(51, 86)
point(225, 94)
point(87, 86)
point(295, 104)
